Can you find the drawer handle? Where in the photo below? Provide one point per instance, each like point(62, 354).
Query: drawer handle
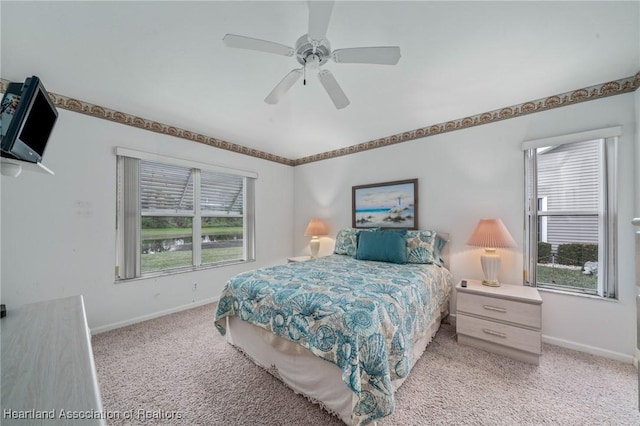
point(494, 333)
point(494, 308)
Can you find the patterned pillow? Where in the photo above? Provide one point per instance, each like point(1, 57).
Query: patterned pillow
point(347, 241)
point(424, 247)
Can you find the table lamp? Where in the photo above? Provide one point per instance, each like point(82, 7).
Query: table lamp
point(315, 228)
point(491, 234)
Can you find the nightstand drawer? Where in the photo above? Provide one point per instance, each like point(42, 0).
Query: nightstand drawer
point(507, 335)
point(504, 310)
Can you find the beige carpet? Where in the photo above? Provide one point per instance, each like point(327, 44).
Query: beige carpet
point(178, 370)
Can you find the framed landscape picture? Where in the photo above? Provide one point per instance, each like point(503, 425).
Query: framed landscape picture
point(386, 205)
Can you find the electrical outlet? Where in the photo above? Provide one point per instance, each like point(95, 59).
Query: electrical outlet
point(195, 286)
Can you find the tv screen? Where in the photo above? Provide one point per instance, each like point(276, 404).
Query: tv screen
point(28, 117)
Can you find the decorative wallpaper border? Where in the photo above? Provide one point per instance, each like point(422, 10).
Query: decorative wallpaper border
point(97, 111)
point(590, 93)
point(611, 88)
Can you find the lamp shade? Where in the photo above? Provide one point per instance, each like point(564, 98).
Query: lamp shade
point(315, 228)
point(491, 233)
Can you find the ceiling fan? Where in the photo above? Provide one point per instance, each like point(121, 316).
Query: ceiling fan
point(312, 51)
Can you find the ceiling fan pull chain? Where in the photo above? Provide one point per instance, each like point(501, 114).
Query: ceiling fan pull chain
point(304, 74)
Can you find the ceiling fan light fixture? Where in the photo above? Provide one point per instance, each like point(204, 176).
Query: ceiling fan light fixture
point(304, 49)
point(312, 62)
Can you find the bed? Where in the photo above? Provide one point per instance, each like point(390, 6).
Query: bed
point(342, 331)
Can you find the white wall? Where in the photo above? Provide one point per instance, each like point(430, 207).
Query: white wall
point(478, 172)
point(58, 232)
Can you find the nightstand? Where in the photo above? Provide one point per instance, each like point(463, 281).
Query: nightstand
point(298, 259)
point(506, 320)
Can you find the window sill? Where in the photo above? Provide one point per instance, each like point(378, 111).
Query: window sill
point(153, 275)
point(573, 293)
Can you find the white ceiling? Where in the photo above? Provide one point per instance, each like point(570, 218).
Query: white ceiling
point(165, 61)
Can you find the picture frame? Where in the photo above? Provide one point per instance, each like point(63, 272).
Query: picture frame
point(385, 205)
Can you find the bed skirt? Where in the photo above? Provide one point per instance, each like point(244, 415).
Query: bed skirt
point(318, 380)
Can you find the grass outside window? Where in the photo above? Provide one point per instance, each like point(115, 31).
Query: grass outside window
point(566, 277)
point(224, 243)
point(177, 259)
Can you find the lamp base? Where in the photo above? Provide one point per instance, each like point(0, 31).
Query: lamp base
point(490, 267)
point(314, 245)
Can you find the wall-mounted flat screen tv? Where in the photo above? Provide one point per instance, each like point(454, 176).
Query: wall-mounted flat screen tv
point(28, 117)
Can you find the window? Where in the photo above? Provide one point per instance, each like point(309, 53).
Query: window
point(176, 215)
point(570, 210)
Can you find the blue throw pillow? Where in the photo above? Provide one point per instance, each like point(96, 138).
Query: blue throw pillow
point(383, 246)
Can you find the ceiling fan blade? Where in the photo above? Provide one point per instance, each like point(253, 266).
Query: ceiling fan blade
point(242, 42)
point(333, 89)
point(319, 16)
point(283, 87)
point(384, 55)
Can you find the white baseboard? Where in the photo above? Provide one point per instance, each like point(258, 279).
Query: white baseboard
point(629, 359)
point(636, 359)
point(136, 320)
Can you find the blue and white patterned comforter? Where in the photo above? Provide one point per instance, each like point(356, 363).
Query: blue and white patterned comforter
point(362, 316)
